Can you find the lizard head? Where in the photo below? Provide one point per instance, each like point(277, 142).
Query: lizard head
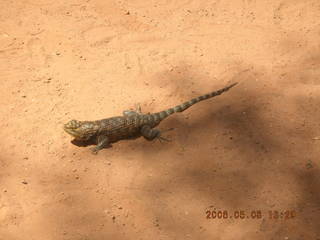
point(80, 130)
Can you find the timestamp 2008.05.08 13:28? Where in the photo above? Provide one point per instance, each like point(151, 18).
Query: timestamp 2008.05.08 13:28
point(253, 214)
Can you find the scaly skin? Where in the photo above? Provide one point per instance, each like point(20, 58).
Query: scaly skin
point(132, 124)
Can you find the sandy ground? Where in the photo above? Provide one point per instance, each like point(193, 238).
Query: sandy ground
point(255, 148)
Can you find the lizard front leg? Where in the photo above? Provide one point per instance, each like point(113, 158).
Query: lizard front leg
point(150, 133)
point(102, 142)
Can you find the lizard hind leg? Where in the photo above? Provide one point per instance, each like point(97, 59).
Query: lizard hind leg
point(138, 108)
point(150, 134)
point(137, 111)
point(128, 113)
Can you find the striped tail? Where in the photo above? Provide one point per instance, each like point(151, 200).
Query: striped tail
point(180, 108)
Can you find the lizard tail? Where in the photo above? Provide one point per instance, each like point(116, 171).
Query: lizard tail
point(180, 108)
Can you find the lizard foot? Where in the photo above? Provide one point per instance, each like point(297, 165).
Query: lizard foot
point(160, 138)
point(94, 150)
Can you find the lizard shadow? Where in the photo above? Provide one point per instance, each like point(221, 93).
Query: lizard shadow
point(83, 143)
point(92, 141)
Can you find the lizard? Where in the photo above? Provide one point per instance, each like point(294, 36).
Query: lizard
point(131, 125)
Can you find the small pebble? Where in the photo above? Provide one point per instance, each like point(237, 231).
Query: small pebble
point(309, 165)
point(24, 182)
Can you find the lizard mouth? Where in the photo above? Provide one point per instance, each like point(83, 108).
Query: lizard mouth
point(72, 132)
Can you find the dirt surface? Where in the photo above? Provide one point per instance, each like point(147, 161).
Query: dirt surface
point(255, 148)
